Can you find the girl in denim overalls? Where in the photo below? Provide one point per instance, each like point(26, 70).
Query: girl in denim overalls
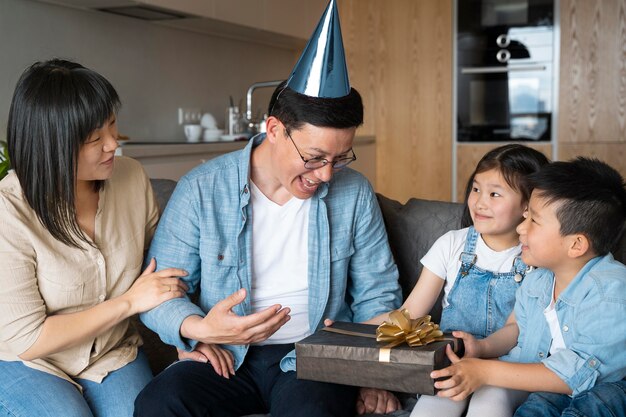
point(479, 267)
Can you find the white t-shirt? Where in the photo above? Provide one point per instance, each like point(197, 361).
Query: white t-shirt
point(280, 262)
point(443, 259)
point(553, 323)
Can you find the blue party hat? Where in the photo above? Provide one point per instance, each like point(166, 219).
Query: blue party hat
point(321, 70)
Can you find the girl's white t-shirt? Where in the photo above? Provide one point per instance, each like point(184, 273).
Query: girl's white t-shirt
point(443, 258)
point(280, 262)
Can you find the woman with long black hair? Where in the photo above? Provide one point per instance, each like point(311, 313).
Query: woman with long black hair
point(74, 223)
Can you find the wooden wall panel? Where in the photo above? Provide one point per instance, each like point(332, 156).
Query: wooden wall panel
point(592, 88)
point(468, 156)
point(399, 56)
point(613, 154)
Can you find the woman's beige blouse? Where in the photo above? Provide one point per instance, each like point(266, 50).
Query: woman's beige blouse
point(40, 276)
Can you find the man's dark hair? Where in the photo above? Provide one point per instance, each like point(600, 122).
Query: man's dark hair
point(515, 162)
point(591, 199)
point(294, 109)
point(56, 105)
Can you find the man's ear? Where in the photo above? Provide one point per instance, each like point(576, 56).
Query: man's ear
point(579, 246)
point(273, 128)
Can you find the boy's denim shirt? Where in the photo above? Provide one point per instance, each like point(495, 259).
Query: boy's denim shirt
point(205, 230)
point(591, 312)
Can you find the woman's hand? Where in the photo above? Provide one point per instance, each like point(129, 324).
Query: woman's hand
point(153, 288)
point(221, 359)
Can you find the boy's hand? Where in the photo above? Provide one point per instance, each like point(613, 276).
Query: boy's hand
point(472, 345)
point(465, 377)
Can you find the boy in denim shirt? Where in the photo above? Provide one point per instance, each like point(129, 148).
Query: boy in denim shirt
point(567, 334)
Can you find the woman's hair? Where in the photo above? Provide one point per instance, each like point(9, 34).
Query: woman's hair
point(57, 104)
point(514, 162)
point(294, 109)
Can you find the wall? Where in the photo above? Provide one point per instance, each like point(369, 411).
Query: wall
point(399, 58)
point(155, 69)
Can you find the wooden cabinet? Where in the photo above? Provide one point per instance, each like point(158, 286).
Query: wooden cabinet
point(293, 19)
point(173, 160)
point(399, 57)
point(592, 85)
point(279, 23)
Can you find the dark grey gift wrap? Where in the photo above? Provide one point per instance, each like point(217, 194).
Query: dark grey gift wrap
point(354, 360)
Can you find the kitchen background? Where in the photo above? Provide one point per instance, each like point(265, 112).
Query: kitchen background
point(400, 55)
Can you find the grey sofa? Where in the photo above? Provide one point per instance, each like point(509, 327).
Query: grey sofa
point(412, 228)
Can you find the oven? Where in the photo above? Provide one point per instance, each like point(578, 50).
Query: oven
point(505, 71)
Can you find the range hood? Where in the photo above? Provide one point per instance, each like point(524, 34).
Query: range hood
point(194, 16)
point(129, 8)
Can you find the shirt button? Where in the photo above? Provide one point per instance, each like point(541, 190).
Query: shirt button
point(99, 261)
point(245, 189)
point(565, 328)
point(101, 297)
point(220, 257)
point(592, 362)
point(541, 354)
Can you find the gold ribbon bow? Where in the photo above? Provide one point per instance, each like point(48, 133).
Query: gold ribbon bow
point(400, 328)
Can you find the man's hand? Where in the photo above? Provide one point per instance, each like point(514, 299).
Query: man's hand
point(372, 400)
point(465, 377)
point(222, 326)
point(221, 359)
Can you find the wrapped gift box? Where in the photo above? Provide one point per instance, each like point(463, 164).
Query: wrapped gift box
point(354, 360)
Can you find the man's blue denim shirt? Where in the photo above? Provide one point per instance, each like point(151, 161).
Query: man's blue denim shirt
point(205, 230)
point(592, 316)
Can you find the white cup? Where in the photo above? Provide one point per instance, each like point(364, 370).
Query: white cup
point(193, 132)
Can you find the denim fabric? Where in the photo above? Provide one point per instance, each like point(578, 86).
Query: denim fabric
point(591, 314)
point(205, 230)
point(604, 400)
point(26, 392)
point(488, 296)
point(193, 389)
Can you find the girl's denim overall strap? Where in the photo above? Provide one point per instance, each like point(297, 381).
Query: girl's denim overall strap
point(480, 301)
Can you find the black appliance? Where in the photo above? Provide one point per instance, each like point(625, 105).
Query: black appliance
point(504, 70)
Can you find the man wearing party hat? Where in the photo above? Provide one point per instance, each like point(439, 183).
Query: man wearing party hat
point(276, 237)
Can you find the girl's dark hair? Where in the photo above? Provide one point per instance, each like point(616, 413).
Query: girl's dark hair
point(56, 105)
point(515, 162)
point(294, 109)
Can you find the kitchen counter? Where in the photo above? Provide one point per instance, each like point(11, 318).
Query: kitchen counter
point(174, 159)
point(153, 149)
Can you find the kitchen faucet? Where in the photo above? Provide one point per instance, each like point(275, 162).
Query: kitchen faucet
point(248, 116)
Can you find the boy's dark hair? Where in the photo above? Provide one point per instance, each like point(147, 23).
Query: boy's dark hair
point(591, 199)
point(294, 109)
point(56, 105)
point(515, 162)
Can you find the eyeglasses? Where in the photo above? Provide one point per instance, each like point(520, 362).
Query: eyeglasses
point(315, 163)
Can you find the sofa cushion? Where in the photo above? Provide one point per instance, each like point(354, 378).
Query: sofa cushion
point(412, 229)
